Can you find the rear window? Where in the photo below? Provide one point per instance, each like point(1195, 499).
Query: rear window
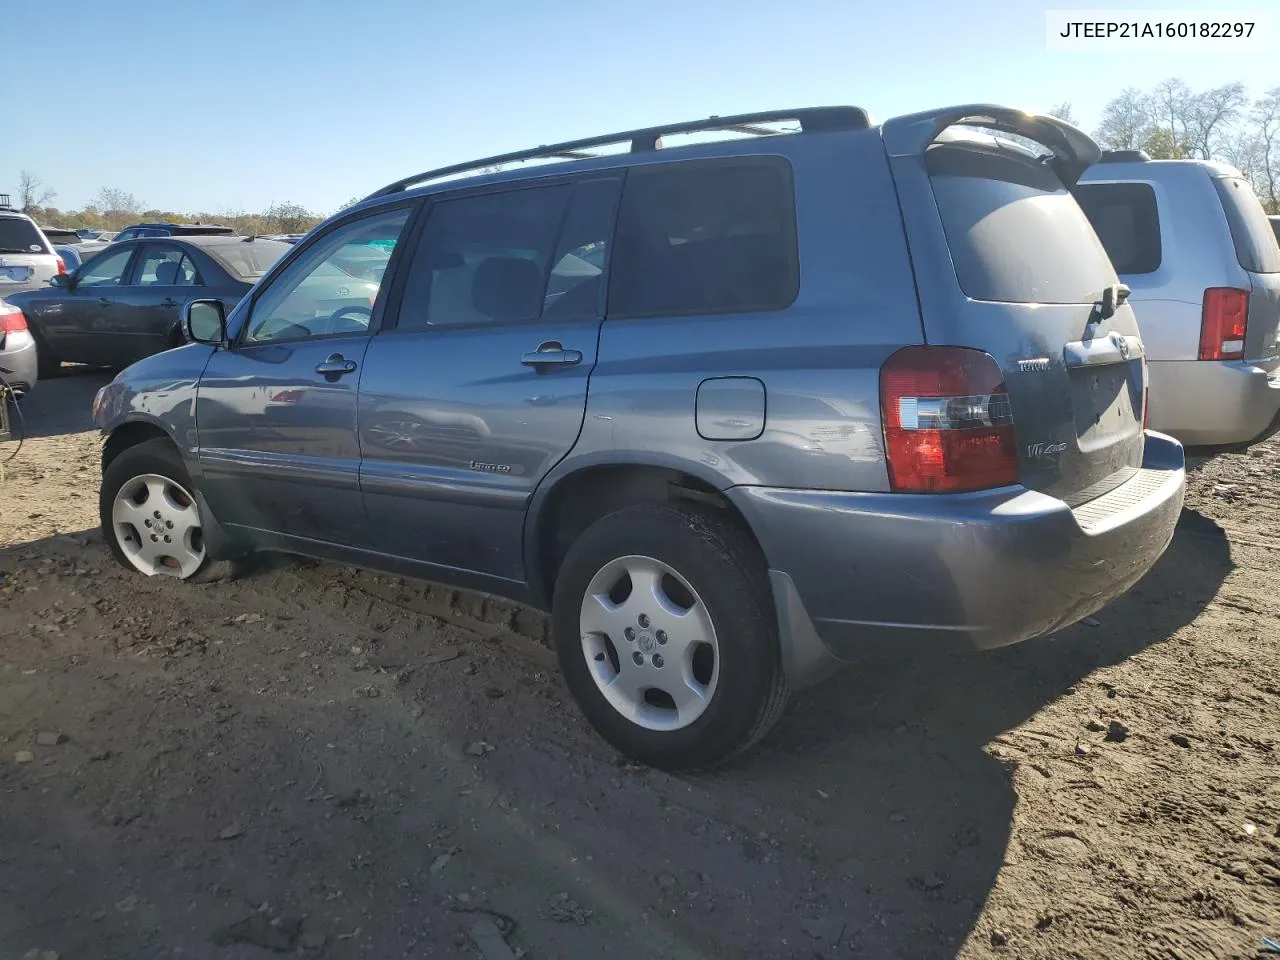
point(1016, 234)
point(248, 259)
point(705, 237)
point(1255, 243)
point(1275, 227)
point(18, 235)
point(1127, 221)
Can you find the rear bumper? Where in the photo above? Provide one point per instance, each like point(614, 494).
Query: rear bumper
point(1214, 406)
point(19, 359)
point(859, 575)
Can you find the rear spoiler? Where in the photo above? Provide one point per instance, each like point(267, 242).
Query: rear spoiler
point(1072, 150)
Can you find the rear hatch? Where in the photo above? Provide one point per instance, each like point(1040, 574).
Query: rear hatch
point(1258, 254)
point(22, 252)
point(1007, 263)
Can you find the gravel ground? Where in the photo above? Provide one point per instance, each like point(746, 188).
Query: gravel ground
point(318, 761)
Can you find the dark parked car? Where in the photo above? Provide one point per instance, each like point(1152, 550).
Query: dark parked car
point(123, 303)
point(734, 412)
point(61, 236)
point(140, 230)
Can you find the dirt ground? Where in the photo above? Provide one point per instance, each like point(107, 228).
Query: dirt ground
point(321, 762)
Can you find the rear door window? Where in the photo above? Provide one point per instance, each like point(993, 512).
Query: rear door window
point(484, 259)
point(1127, 221)
point(20, 236)
point(705, 237)
point(1256, 248)
point(157, 266)
point(578, 267)
point(1016, 233)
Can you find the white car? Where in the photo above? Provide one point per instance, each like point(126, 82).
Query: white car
point(27, 258)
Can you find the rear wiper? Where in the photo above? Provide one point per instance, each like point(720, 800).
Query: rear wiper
point(1113, 298)
point(14, 250)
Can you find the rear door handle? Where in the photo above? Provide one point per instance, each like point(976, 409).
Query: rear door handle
point(336, 366)
point(551, 354)
point(168, 302)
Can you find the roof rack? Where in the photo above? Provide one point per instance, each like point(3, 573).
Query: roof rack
point(647, 139)
point(1124, 156)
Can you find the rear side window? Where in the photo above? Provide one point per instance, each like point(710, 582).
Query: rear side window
point(20, 236)
point(1016, 234)
point(713, 237)
point(1127, 221)
point(1255, 243)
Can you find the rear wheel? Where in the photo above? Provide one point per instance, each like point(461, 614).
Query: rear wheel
point(151, 518)
point(666, 635)
point(48, 365)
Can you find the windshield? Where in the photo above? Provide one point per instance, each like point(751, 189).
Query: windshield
point(248, 259)
point(19, 235)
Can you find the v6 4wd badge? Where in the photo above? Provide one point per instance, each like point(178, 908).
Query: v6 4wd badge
point(1035, 450)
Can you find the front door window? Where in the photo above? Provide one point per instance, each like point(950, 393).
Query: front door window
point(333, 287)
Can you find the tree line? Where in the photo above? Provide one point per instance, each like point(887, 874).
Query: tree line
point(115, 209)
point(1173, 122)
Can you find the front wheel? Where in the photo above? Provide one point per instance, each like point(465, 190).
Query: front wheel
point(665, 632)
point(150, 517)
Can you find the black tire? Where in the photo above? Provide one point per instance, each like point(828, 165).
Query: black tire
point(156, 456)
point(48, 365)
point(725, 567)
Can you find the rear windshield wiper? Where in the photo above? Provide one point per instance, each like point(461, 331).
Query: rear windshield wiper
point(15, 250)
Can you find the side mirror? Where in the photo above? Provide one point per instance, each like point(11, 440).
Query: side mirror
point(63, 280)
point(203, 321)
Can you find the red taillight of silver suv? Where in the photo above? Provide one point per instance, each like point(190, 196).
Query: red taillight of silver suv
point(948, 425)
point(1223, 320)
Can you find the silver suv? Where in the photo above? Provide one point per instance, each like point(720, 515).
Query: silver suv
point(734, 412)
point(1193, 244)
point(27, 259)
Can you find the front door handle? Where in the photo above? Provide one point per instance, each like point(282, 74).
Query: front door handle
point(336, 366)
point(168, 302)
point(551, 354)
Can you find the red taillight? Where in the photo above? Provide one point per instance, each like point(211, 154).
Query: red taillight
point(62, 267)
point(1222, 323)
point(11, 319)
point(948, 425)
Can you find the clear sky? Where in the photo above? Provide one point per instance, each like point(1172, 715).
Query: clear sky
point(222, 105)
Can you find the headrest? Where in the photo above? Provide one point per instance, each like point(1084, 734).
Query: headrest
point(507, 288)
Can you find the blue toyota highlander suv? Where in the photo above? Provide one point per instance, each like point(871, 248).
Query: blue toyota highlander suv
point(735, 412)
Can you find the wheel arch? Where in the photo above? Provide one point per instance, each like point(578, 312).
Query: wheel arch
point(572, 499)
point(130, 434)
